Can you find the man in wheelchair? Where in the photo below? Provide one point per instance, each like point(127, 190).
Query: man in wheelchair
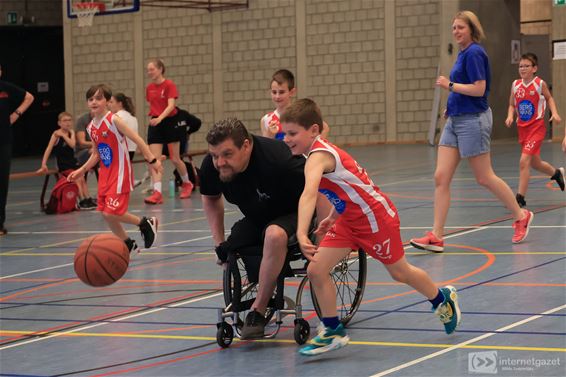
point(265, 181)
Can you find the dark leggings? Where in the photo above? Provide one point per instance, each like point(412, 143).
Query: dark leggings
point(5, 159)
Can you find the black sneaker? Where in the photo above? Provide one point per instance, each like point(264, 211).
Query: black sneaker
point(148, 229)
point(132, 245)
point(92, 201)
point(254, 326)
point(559, 177)
point(521, 200)
point(86, 205)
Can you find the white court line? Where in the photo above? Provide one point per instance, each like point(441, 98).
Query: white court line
point(70, 264)
point(106, 230)
point(87, 327)
point(460, 345)
point(34, 271)
point(207, 230)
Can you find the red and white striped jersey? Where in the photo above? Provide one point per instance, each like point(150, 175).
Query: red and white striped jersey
point(115, 175)
point(530, 104)
point(350, 189)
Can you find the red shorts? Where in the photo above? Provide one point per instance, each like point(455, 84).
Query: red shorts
point(531, 138)
point(385, 245)
point(114, 204)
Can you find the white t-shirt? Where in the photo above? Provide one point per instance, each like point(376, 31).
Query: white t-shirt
point(132, 123)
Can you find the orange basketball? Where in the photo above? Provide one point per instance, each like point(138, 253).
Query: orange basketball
point(101, 260)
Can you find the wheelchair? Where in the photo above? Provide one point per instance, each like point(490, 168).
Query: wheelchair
point(240, 280)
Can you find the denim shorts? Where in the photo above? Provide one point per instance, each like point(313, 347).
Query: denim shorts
point(470, 133)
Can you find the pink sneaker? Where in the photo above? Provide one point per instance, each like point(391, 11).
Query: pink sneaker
point(522, 227)
point(429, 242)
point(155, 198)
point(186, 190)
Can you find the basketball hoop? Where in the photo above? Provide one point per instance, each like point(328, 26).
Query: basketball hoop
point(85, 12)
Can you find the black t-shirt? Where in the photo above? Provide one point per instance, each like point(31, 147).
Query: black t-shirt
point(65, 155)
point(11, 97)
point(270, 186)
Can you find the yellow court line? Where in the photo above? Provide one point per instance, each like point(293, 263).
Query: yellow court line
point(358, 343)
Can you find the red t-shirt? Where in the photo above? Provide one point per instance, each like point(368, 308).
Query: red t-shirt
point(157, 95)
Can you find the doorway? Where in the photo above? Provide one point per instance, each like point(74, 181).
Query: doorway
point(35, 63)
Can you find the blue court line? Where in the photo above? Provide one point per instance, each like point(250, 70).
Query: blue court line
point(305, 309)
point(385, 312)
point(161, 323)
point(459, 331)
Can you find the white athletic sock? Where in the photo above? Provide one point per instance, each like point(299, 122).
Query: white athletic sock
point(157, 186)
point(185, 178)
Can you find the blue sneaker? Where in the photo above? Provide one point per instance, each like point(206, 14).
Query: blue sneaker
point(449, 311)
point(326, 340)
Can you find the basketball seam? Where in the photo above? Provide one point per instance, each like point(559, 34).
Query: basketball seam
point(101, 265)
point(85, 259)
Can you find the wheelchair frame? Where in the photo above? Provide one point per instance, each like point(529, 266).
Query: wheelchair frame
point(239, 294)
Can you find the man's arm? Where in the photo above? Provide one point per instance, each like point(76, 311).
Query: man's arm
point(28, 99)
point(214, 210)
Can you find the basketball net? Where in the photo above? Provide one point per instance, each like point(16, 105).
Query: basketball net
point(85, 13)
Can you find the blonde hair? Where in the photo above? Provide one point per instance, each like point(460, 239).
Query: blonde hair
point(474, 24)
point(64, 114)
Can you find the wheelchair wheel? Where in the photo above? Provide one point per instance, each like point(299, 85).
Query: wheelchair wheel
point(224, 334)
point(302, 331)
point(239, 292)
point(349, 276)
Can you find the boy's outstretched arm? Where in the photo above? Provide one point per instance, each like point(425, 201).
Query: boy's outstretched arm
point(317, 164)
point(46, 154)
point(89, 164)
point(510, 110)
point(142, 146)
point(551, 104)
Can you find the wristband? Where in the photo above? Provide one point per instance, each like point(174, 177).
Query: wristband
point(451, 86)
point(152, 161)
point(18, 112)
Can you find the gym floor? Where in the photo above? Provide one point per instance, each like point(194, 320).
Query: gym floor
point(160, 318)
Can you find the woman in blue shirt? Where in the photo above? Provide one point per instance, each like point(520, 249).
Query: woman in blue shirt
point(467, 133)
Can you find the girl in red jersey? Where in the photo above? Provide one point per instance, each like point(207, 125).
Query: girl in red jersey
point(528, 99)
point(362, 218)
point(115, 177)
point(161, 95)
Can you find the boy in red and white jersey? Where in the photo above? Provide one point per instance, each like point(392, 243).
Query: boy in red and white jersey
point(115, 181)
point(529, 96)
point(282, 89)
point(362, 218)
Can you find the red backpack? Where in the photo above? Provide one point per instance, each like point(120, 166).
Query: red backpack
point(63, 197)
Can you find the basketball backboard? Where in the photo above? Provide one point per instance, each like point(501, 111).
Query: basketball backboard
point(104, 6)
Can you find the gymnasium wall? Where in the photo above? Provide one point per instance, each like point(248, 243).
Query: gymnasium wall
point(43, 12)
point(372, 75)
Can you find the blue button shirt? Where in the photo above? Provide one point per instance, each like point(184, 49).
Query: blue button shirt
point(471, 65)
